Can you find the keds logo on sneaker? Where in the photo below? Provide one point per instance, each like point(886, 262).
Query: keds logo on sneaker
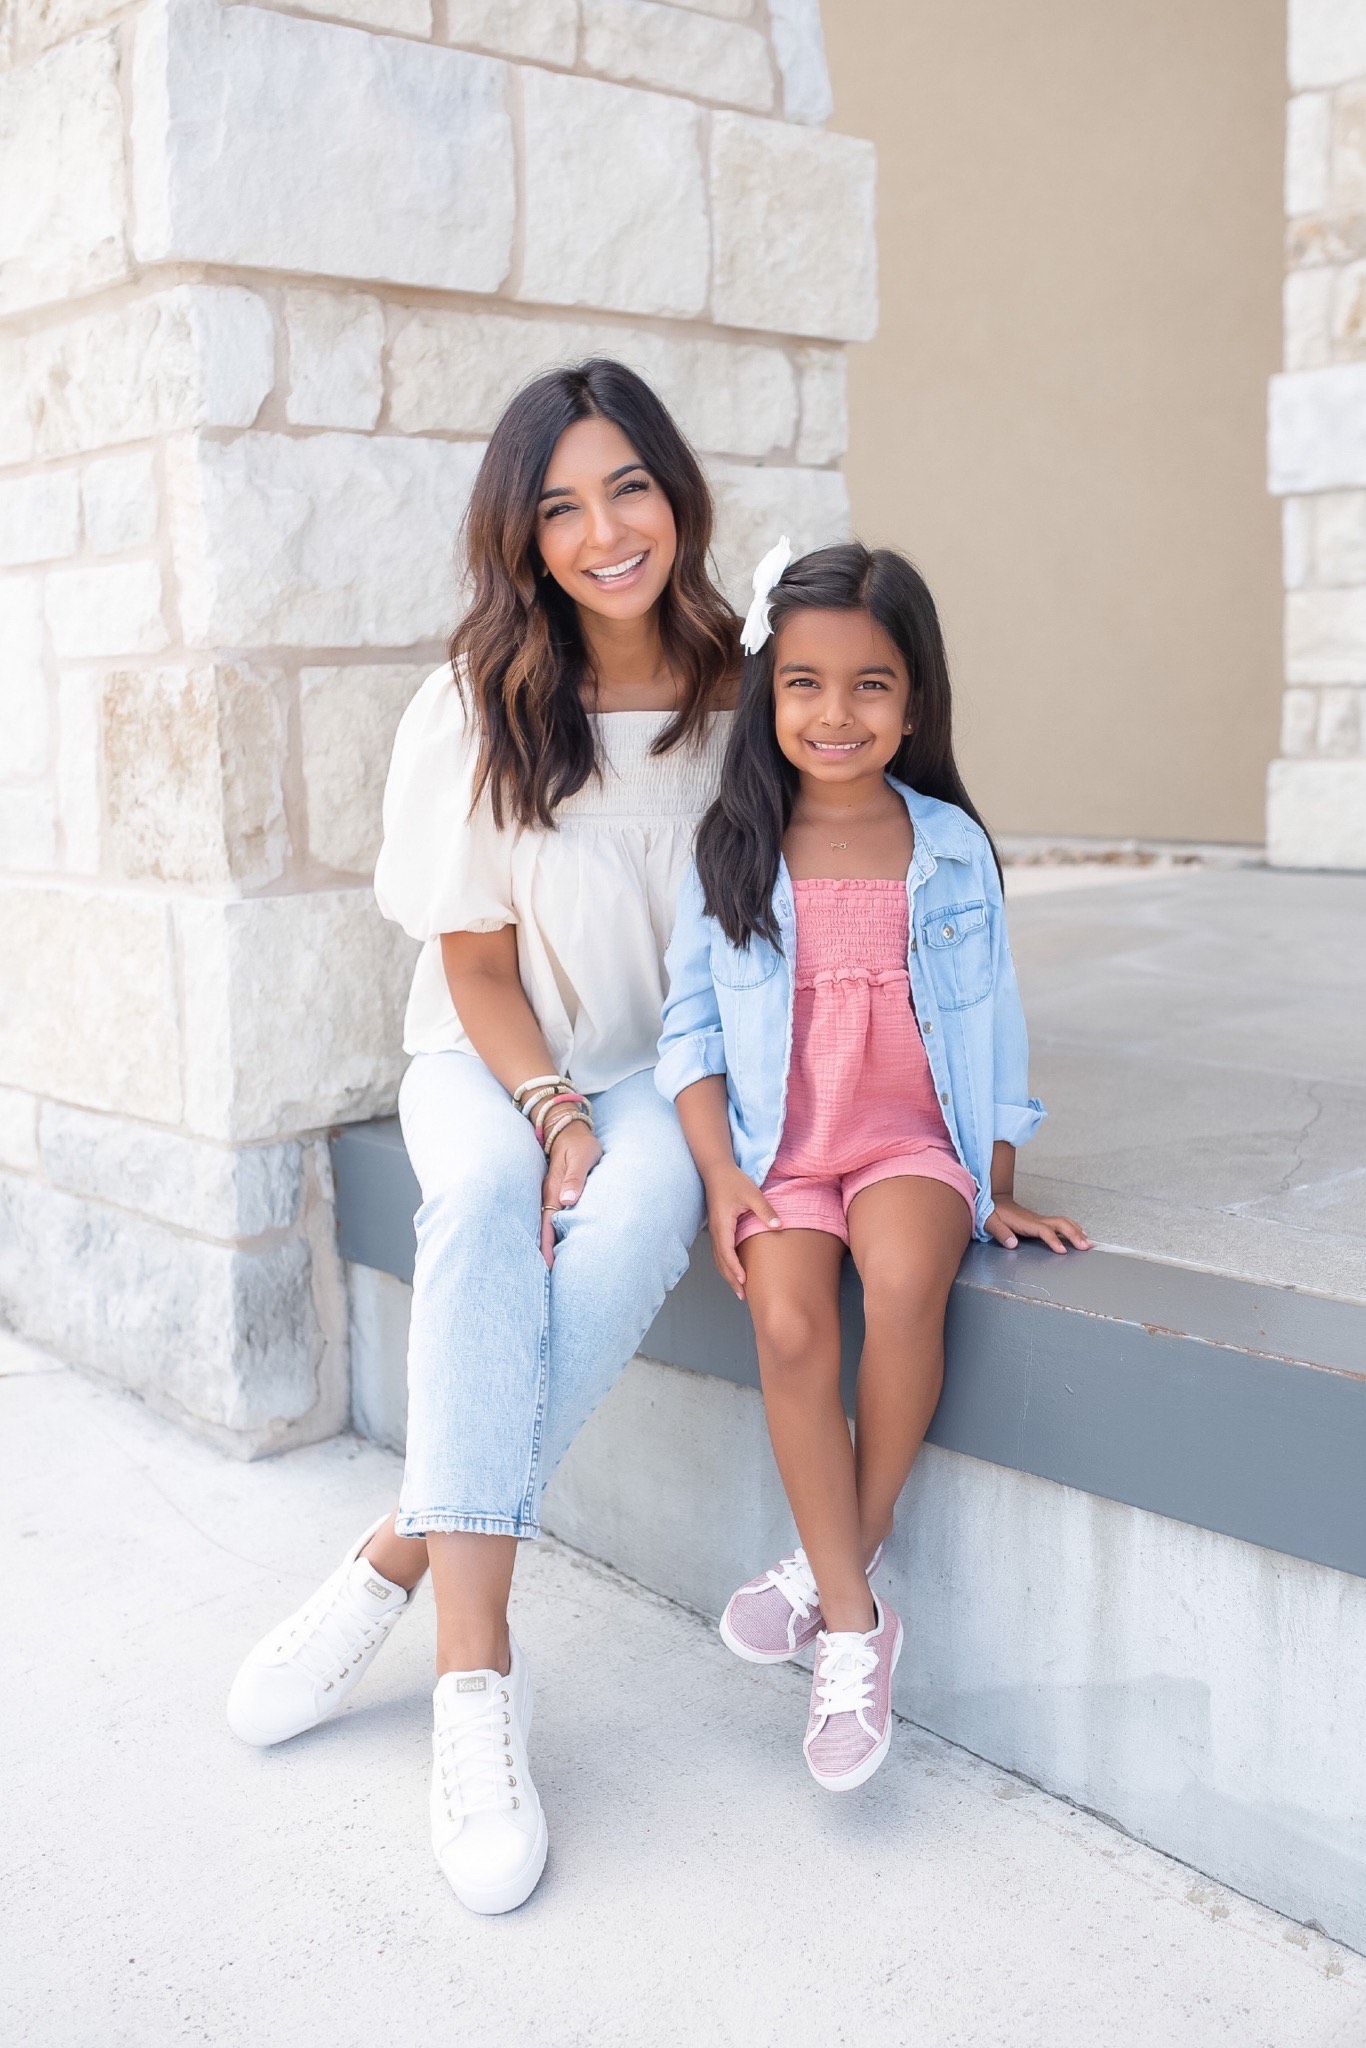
point(471, 1685)
point(380, 1591)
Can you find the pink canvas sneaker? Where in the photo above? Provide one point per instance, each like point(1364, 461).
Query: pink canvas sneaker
point(775, 1616)
point(850, 1728)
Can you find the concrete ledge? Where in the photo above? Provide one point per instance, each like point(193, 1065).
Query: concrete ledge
point(1202, 1692)
point(1209, 1400)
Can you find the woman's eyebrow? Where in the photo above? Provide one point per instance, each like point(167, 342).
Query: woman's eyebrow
point(567, 490)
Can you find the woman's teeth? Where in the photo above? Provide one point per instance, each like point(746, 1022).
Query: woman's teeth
point(835, 747)
point(617, 569)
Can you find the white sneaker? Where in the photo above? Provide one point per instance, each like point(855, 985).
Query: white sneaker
point(488, 1828)
point(302, 1671)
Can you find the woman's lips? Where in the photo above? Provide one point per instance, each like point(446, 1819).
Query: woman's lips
point(619, 575)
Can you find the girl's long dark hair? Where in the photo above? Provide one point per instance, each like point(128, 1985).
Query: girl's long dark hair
point(518, 652)
point(740, 840)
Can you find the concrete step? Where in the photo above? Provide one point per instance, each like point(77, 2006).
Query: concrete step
point(1235, 1406)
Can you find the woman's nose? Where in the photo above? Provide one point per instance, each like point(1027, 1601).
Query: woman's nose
point(602, 523)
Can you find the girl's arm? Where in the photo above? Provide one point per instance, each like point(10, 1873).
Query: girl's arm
point(486, 988)
point(691, 1043)
point(1009, 1221)
point(730, 1193)
point(1017, 1113)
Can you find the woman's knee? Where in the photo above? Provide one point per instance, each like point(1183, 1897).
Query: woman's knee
point(477, 1195)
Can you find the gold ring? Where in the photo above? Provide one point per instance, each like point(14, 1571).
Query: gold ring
point(550, 1212)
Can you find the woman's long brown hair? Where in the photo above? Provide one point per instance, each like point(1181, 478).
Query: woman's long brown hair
point(518, 653)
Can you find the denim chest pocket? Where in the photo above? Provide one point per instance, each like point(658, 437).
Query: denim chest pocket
point(957, 950)
point(742, 966)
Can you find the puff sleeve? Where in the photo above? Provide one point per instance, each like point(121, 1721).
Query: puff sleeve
point(440, 869)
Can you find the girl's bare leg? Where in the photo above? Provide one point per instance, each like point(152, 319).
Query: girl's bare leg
point(792, 1280)
point(907, 1237)
point(471, 1579)
point(400, 1559)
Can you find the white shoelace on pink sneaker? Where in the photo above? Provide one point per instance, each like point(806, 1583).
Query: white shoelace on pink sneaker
point(844, 1675)
point(794, 1579)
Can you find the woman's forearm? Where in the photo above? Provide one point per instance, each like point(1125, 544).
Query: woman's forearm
point(1003, 1171)
point(486, 988)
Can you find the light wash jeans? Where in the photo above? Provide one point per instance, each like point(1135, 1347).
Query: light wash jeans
point(508, 1358)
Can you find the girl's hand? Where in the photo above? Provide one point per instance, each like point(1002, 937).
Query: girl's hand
point(573, 1156)
point(729, 1195)
point(1009, 1221)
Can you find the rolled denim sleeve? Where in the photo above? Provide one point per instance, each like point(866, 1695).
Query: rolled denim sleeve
point(1018, 1114)
point(691, 1046)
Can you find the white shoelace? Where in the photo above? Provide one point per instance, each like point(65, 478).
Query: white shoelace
point(328, 1637)
point(794, 1580)
point(843, 1675)
point(475, 1757)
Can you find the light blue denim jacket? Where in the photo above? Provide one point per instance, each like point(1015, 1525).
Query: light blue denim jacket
point(729, 1008)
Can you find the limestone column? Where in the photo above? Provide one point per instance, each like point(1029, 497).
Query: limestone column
point(1316, 798)
point(266, 285)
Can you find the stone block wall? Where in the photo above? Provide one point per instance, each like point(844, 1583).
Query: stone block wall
point(1316, 797)
point(268, 280)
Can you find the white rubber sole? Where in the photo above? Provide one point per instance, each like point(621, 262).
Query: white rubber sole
point(861, 1773)
point(506, 1898)
point(739, 1649)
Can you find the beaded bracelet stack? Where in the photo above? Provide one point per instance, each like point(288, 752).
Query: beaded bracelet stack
point(550, 1103)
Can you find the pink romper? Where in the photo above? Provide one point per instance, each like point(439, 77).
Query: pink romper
point(861, 1101)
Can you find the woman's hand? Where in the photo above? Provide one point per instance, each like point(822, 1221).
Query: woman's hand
point(1009, 1221)
point(573, 1155)
point(730, 1194)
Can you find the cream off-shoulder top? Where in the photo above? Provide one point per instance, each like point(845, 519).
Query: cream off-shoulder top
point(592, 900)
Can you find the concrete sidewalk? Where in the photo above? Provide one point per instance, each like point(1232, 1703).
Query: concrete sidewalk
point(166, 1885)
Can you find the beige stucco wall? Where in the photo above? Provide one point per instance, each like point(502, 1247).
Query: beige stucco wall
point(1062, 415)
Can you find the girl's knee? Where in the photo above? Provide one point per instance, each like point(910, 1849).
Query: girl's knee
point(795, 1338)
point(901, 1295)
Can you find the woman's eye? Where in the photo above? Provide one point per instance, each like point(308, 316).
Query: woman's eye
point(871, 683)
point(554, 511)
point(638, 483)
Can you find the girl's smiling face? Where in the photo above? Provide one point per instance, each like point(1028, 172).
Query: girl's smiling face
point(604, 527)
point(841, 695)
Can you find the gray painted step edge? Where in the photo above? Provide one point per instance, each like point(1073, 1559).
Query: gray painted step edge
point(1212, 1400)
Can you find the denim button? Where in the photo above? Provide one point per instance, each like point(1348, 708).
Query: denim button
point(943, 1098)
point(928, 1029)
point(912, 946)
point(948, 931)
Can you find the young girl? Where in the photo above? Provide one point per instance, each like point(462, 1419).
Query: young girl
point(844, 1041)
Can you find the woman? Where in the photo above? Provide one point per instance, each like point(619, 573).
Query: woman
point(538, 817)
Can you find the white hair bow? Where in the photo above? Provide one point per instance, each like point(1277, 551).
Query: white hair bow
point(757, 626)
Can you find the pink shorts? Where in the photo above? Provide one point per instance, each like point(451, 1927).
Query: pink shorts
point(804, 1204)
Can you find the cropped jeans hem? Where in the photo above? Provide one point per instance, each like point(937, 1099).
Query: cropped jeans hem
point(451, 1522)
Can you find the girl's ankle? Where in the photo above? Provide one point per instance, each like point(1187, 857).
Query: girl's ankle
point(850, 1617)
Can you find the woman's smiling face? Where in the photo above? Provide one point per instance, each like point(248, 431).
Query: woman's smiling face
point(604, 527)
point(841, 694)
